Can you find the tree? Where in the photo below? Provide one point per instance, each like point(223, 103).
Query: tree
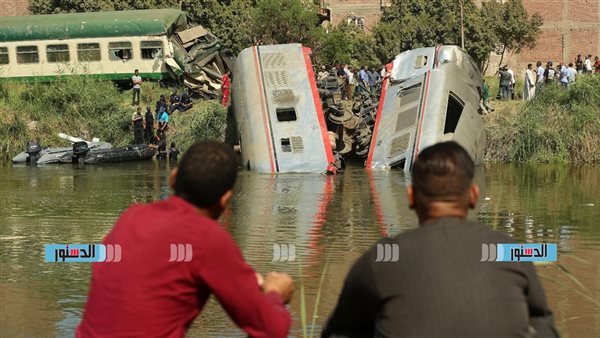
point(229, 20)
point(409, 24)
point(285, 21)
point(346, 44)
point(66, 6)
point(512, 25)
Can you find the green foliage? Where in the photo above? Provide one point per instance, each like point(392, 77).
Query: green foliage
point(409, 24)
point(207, 123)
point(87, 107)
point(285, 21)
point(65, 6)
point(558, 125)
point(511, 24)
point(230, 20)
point(421, 23)
point(346, 44)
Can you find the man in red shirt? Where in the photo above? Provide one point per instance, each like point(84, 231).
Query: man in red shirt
point(151, 293)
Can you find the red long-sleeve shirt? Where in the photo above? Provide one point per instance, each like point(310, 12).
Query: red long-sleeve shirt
point(145, 295)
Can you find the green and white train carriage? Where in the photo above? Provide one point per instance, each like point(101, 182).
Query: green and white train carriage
point(105, 44)
point(160, 43)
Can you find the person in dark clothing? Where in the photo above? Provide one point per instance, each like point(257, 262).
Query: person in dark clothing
point(159, 143)
point(505, 78)
point(161, 105)
point(149, 123)
point(173, 152)
point(185, 103)
point(138, 126)
point(437, 286)
point(173, 101)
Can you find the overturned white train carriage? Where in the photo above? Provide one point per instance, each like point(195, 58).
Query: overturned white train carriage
point(430, 95)
point(280, 122)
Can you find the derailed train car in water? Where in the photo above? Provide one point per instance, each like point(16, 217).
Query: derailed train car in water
point(280, 122)
point(160, 43)
point(430, 95)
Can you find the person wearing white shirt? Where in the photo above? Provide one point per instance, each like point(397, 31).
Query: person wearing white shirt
point(512, 82)
point(529, 87)
point(350, 79)
point(540, 74)
point(572, 73)
point(587, 64)
point(136, 79)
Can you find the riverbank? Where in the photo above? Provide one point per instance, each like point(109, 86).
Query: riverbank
point(557, 126)
point(86, 107)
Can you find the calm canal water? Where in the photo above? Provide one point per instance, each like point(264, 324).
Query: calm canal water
point(330, 220)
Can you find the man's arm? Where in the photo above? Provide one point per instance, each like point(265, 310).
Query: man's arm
point(234, 284)
point(357, 307)
point(540, 316)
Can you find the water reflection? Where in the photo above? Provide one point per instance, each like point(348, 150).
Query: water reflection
point(330, 219)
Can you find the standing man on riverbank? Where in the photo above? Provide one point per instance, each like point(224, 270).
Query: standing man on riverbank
point(136, 79)
point(148, 293)
point(138, 126)
point(149, 123)
point(438, 286)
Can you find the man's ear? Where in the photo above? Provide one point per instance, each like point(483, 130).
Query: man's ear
point(225, 199)
point(173, 178)
point(411, 197)
point(473, 196)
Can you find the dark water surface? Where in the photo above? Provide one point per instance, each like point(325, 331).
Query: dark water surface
point(330, 220)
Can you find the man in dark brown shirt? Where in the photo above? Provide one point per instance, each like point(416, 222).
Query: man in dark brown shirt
point(433, 283)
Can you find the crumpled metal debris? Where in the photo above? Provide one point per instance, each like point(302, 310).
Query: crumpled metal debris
point(199, 60)
point(351, 122)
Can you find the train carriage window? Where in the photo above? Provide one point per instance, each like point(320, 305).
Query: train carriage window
point(286, 114)
point(3, 55)
point(27, 54)
point(150, 49)
point(88, 52)
point(119, 50)
point(57, 53)
point(453, 111)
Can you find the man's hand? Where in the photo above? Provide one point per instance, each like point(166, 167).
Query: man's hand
point(280, 283)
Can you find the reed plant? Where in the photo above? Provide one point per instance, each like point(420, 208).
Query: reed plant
point(558, 125)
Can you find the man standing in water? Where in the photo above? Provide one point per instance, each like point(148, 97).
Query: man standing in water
point(438, 287)
point(150, 294)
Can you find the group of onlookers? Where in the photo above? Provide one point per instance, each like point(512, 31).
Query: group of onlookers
point(353, 80)
point(144, 126)
point(541, 75)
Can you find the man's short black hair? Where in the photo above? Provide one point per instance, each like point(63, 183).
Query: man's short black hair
point(206, 171)
point(442, 172)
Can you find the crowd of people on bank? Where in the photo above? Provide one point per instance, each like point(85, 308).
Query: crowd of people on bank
point(152, 127)
point(354, 81)
point(540, 75)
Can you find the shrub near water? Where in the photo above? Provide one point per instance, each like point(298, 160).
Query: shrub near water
point(77, 106)
point(85, 107)
point(558, 125)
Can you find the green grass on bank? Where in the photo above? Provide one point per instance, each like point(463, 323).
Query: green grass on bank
point(558, 125)
point(86, 107)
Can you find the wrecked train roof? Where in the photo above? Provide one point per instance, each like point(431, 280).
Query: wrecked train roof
point(92, 24)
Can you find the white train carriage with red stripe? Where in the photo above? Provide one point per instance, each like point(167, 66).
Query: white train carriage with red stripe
point(430, 95)
point(280, 122)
